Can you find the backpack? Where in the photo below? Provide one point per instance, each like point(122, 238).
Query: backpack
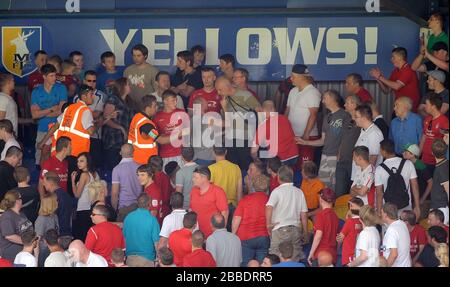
point(396, 191)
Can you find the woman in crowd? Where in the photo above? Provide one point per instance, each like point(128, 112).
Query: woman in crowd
point(97, 195)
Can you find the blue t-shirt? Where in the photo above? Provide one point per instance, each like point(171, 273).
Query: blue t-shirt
point(103, 78)
point(141, 232)
point(45, 100)
point(66, 205)
point(289, 264)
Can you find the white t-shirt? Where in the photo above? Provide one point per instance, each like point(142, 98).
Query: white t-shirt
point(369, 241)
point(8, 105)
point(364, 178)
point(172, 222)
point(408, 172)
point(370, 138)
point(11, 142)
point(26, 259)
point(159, 100)
point(94, 260)
point(97, 105)
point(56, 259)
point(299, 103)
point(288, 202)
point(397, 236)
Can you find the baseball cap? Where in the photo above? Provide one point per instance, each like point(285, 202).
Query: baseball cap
point(439, 46)
point(438, 75)
point(413, 148)
point(300, 69)
point(328, 195)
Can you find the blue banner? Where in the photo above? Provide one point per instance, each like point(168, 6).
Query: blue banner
point(266, 46)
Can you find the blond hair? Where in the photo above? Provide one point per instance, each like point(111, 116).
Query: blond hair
point(9, 200)
point(95, 189)
point(260, 183)
point(442, 254)
point(368, 216)
point(49, 204)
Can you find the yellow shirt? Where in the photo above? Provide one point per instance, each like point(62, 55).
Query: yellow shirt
point(226, 175)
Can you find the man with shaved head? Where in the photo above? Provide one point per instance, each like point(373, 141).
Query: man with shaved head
point(240, 107)
point(277, 142)
point(82, 257)
point(198, 257)
point(125, 185)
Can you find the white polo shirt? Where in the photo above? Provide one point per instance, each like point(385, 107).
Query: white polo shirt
point(299, 103)
point(172, 222)
point(9, 106)
point(288, 202)
point(370, 138)
point(94, 260)
point(363, 178)
point(397, 236)
point(408, 173)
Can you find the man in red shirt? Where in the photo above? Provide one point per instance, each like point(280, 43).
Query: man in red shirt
point(58, 164)
point(36, 78)
point(162, 180)
point(350, 231)
point(326, 226)
point(173, 126)
point(180, 241)
point(273, 165)
point(104, 236)
point(436, 218)
point(208, 92)
point(403, 79)
point(207, 199)
point(199, 257)
point(354, 85)
point(432, 126)
point(275, 133)
point(145, 178)
point(417, 234)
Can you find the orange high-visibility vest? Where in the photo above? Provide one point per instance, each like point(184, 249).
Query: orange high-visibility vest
point(71, 126)
point(143, 148)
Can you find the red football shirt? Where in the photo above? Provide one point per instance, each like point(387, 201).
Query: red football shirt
point(205, 205)
point(60, 167)
point(251, 209)
point(34, 79)
point(351, 229)
point(102, 238)
point(364, 95)
point(212, 98)
point(67, 80)
point(418, 237)
point(281, 144)
point(156, 196)
point(431, 131)
point(199, 258)
point(274, 183)
point(408, 77)
point(163, 182)
point(328, 222)
point(7, 263)
point(168, 124)
point(180, 242)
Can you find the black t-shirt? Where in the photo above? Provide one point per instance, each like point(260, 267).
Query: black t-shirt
point(438, 194)
point(428, 258)
point(383, 126)
point(7, 181)
point(30, 202)
point(350, 134)
point(194, 79)
point(423, 175)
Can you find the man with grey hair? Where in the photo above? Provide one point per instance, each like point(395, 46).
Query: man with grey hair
point(285, 210)
point(350, 134)
point(125, 185)
point(396, 240)
point(224, 246)
point(141, 232)
point(331, 137)
point(82, 257)
point(406, 128)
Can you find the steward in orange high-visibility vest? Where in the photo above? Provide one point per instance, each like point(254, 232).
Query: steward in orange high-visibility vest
point(72, 125)
point(143, 133)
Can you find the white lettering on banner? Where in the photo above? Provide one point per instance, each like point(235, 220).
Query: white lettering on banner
point(263, 46)
point(338, 40)
point(149, 40)
point(373, 6)
point(347, 46)
point(73, 6)
point(118, 47)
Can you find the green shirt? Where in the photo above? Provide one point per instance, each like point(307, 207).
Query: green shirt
point(419, 165)
point(443, 37)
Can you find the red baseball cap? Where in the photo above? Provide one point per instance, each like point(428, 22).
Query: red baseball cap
point(328, 195)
